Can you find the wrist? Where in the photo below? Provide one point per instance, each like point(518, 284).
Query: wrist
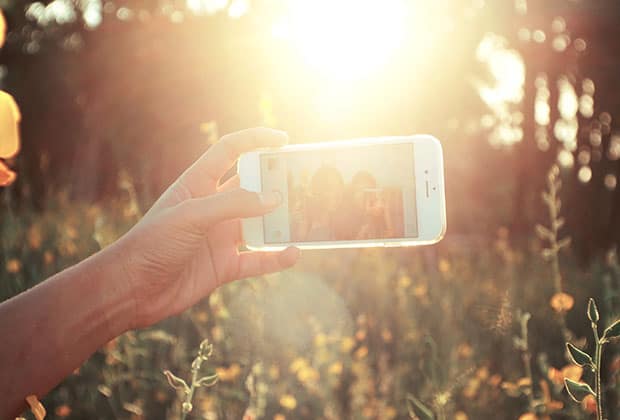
point(111, 290)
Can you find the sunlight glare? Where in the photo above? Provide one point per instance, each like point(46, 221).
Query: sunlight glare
point(345, 39)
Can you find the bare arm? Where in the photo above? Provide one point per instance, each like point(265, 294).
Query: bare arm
point(50, 330)
point(185, 247)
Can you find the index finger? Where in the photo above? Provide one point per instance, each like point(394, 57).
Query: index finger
point(202, 177)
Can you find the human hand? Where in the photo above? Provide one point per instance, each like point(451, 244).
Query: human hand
point(187, 244)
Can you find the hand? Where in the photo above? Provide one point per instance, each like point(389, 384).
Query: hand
point(187, 244)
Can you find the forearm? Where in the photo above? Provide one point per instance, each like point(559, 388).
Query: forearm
point(50, 330)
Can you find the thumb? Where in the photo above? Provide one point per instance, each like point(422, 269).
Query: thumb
point(202, 213)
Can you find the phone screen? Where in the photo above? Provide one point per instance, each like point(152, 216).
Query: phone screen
point(352, 193)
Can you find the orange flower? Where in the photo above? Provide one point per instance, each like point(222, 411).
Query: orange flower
point(13, 265)
point(361, 353)
point(7, 176)
point(48, 257)
point(572, 372)
point(63, 410)
point(562, 302)
point(588, 404)
point(528, 416)
point(9, 119)
point(2, 29)
point(34, 237)
point(444, 265)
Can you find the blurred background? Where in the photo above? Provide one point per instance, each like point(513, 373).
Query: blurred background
point(118, 97)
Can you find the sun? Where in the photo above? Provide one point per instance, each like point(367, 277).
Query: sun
point(345, 39)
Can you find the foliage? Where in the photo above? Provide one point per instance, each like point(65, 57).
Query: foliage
point(204, 352)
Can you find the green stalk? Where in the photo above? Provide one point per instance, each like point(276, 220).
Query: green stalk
point(527, 358)
point(597, 371)
point(190, 396)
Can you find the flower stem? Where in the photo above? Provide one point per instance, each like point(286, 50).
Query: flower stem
point(597, 371)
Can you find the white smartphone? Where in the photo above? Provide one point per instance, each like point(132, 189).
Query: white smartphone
point(386, 191)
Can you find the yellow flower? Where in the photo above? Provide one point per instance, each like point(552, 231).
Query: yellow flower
point(288, 401)
point(404, 281)
point(444, 265)
point(297, 364)
point(347, 344)
point(335, 368)
point(274, 372)
point(217, 333)
point(228, 374)
point(13, 265)
point(390, 412)
point(279, 416)
point(308, 374)
point(459, 415)
point(320, 340)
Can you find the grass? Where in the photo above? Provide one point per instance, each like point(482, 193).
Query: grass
point(348, 334)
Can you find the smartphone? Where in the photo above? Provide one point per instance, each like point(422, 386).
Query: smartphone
point(372, 192)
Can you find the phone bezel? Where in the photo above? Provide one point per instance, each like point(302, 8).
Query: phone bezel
point(430, 193)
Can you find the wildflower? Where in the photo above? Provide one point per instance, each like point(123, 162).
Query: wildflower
point(279, 416)
point(48, 257)
point(528, 416)
point(386, 335)
point(228, 374)
point(444, 265)
point(347, 344)
point(63, 410)
point(420, 291)
point(588, 404)
point(34, 237)
point(360, 335)
point(404, 281)
point(361, 352)
point(464, 351)
point(288, 401)
point(460, 415)
point(217, 333)
point(13, 266)
point(389, 412)
point(308, 374)
point(9, 120)
point(320, 340)
point(562, 302)
point(335, 368)
point(7, 176)
point(2, 29)
point(297, 364)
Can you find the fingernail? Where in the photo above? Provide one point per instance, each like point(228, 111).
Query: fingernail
point(270, 198)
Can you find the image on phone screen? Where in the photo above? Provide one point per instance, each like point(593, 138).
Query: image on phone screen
point(365, 192)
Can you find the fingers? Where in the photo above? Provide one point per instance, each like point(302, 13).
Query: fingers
point(202, 177)
point(199, 214)
point(230, 184)
point(257, 263)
